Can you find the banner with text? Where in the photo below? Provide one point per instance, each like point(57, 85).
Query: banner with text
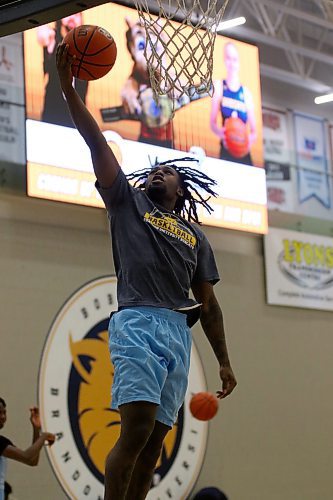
point(12, 133)
point(314, 182)
point(12, 100)
point(65, 174)
point(299, 269)
point(277, 154)
point(11, 69)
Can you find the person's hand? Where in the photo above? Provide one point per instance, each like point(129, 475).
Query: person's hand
point(64, 62)
point(46, 37)
point(228, 381)
point(35, 418)
point(48, 437)
point(130, 98)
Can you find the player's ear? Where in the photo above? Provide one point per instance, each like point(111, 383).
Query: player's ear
point(180, 191)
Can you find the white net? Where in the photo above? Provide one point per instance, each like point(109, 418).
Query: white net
point(180, 44)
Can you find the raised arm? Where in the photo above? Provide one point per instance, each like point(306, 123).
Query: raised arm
point(36, 428)
point(105, 164)
point(212, 323)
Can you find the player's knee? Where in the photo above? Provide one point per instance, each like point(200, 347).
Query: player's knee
point(136, 437)
point(151, 453)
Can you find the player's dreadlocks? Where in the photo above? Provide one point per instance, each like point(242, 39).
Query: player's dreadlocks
point(192, 181)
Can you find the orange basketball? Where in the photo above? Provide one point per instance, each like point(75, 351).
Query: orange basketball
point(95, 51)
point(204, 405)
point(236, 137)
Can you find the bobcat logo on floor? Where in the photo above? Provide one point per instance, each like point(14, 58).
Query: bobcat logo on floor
point(75, 382)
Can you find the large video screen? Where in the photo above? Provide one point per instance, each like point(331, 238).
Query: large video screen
point(59, 164)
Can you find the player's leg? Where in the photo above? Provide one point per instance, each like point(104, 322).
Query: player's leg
point(137, 425)
point(145, 465)
point(172, 397)
point(138, 340)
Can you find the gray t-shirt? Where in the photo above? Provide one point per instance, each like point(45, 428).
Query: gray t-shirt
point(157, 254)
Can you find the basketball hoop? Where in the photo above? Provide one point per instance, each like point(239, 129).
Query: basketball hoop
point(180, 55)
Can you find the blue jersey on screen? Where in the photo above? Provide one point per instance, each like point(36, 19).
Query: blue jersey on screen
point(233, 103)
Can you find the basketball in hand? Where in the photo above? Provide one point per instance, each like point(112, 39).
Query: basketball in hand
point(95, 51)
point(236, 137)
point(204, 405)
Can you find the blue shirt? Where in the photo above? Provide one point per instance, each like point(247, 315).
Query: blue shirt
point(233, 103)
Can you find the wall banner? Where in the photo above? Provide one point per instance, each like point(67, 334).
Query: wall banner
point(12, 110)
point(12, 133)
point(311, 158)
point(277, 160)
point(11, 69)
point(299, 269)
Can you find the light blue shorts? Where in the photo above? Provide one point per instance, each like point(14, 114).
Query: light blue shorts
point(150, 351)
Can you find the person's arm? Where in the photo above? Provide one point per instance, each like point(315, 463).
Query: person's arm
point(36, 428)
point(212, 323)
point(129, 96)
point(28, 456)
point(216, 110)
point(105, 164)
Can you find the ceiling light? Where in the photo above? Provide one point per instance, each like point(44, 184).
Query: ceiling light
point(323, 98)
point(231, 23)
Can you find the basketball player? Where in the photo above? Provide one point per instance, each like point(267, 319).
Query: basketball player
point(54, 108)
point(232, 99)
point(30, 455)
point(158, 257)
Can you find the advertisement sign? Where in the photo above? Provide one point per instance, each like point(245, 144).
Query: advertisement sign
point(127, 88)
point(74, 388)
point(299, 269)
point(65, 174)
point(138, 130)
point(277, 154)
point(314, 182)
